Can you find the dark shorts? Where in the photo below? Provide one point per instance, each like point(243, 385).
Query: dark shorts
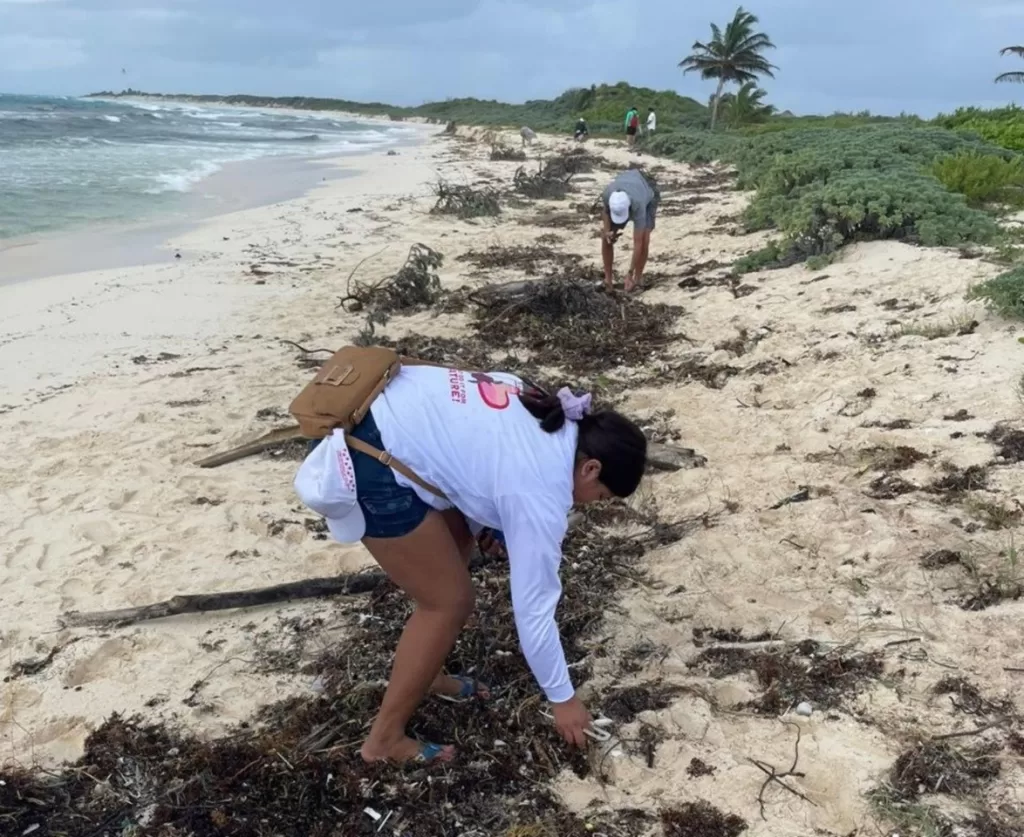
point(391, 510)
point(631, 132)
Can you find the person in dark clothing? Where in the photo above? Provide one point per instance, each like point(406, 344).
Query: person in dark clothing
point(580, 132)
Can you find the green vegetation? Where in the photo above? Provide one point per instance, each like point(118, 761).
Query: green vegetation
point(826, 187)
point(1002, 126)
point(983, 178)
point(746, 106)
point(1004, 294)
point(732, 57)
point(1012, 76)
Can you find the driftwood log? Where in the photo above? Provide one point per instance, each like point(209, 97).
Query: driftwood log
point(308, 588)
point(659, 457)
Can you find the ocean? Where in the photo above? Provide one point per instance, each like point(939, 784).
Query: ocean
point(67, 162)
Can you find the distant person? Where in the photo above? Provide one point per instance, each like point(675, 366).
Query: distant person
point(528, 135)
point(632, 125)
point(580, 133)
point(631, 196)
point(652, 121)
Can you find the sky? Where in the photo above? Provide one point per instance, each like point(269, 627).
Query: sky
point(886, 56)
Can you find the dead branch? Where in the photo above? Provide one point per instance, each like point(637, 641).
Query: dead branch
point(273, 439)
point(349, 584)
point(774, 776)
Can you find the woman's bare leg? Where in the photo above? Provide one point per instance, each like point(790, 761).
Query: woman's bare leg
point(465, 542)
point(428, 566)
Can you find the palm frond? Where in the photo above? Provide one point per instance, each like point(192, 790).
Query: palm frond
point(1017, 77)
point(755, 42)
point(1012, 50)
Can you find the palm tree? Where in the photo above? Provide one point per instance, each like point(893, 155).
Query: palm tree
point(731, 57)
point(746, 104)
point(1015, 76)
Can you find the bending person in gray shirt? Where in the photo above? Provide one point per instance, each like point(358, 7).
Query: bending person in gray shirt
point(629, 197)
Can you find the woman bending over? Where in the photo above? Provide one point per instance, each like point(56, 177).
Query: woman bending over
point(506, 456)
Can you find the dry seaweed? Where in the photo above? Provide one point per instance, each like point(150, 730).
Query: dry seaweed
point(700, 819)
point(940, 767)
point(295, 770)
point(541, 184)
point(797, 672)
point(506, 153)
point(465, 202)
point(532, 260)
point(573, 324)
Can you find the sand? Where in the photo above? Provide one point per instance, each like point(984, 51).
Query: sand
point(115, 381)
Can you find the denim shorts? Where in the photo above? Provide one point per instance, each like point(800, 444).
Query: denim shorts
point(391, 510)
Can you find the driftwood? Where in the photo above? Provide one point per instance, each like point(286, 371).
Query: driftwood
point(659, 457)
point(309, 588)
point(270, 440)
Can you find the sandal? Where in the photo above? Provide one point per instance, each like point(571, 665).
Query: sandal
point(429, 753)
point(469, 687)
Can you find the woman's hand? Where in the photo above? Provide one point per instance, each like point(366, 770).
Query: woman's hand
point(611, 236)
point(572, 720)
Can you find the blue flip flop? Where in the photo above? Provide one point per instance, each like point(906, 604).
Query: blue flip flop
point(428, 753)
point(471, 687)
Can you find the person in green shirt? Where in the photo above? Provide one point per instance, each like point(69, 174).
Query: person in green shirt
point(632, 125)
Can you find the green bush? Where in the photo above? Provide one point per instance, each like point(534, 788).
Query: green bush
point(1004, 294)
point(983, 178)
point(1001, 126)
point(824, 187)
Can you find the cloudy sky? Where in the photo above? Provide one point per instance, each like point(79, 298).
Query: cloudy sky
point(888, 56)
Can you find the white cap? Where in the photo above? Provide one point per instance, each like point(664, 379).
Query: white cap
point(326, 482)
point(618, 207)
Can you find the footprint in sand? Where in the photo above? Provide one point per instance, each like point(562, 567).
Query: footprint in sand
point(98, 532)
point(63, 738)
point(17, 700)
point(73, 591)
point(100, 663)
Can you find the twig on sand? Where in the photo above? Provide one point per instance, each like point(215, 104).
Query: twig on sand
point(306, 351)
point(774, 776)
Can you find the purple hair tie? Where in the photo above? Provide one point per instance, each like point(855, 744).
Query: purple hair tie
point(575, 407)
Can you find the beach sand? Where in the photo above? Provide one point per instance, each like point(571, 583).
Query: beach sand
point(116, 381)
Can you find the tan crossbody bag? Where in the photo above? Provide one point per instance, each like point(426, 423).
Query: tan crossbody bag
point(341, 393)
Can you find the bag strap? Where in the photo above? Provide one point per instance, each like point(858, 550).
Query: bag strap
point(385, 458)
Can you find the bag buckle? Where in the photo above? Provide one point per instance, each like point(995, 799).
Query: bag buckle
point(385, 458)
point(338, 375)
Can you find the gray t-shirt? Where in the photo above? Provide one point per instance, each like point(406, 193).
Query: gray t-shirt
point(643, 201)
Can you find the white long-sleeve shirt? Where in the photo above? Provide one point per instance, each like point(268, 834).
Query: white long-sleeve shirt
point(468, 434)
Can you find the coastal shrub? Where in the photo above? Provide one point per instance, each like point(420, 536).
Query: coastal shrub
point(1000, 126)
point(1004, 294)
point(983, 178)
point(825, 187)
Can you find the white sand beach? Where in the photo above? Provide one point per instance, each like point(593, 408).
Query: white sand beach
point(115, 381)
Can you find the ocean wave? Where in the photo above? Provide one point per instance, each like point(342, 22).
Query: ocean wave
point(182, 181)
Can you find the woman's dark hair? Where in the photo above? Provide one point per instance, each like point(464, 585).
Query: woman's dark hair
point(607, 436)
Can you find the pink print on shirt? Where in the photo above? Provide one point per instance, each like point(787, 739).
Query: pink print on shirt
point(457, 386)
point(494, 394)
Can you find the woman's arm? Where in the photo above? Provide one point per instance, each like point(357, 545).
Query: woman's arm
point(534, 532)
point(535, 527)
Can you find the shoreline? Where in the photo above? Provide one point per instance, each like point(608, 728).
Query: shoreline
point(234, 187)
